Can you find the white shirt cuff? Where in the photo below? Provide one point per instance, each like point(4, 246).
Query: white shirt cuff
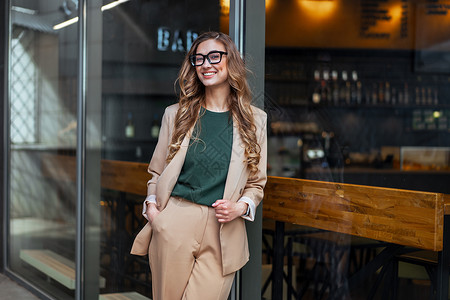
point(251, 206)
point(147, 201)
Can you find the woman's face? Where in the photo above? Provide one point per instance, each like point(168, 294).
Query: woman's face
point(212, 75)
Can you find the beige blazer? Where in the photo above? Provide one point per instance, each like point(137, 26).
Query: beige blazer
point(233, 235)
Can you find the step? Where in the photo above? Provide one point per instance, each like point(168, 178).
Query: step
point(54, 266)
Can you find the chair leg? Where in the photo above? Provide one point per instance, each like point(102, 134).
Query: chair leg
point(378, 282)
point(290, 289)
point(395, 280)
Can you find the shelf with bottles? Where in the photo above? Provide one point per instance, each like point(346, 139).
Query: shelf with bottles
point(418, 121)
point(135, 128)
point(350, 90)
point(347, 90)
point(351, 78)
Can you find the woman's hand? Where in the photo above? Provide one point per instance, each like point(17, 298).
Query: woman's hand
point(227, 211)
point(151, 212)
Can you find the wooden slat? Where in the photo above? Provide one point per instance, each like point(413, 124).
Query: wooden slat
point(425, 257)
point(403, 217)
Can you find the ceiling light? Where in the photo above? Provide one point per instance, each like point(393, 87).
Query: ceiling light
point(113, 4)
point(65, 23)
point(74, 20)
point(24, 10)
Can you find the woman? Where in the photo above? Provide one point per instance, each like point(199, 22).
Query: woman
point(208, 174)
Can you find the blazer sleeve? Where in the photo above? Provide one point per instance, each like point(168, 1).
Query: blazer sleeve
point(158, 161)
point(254, 188)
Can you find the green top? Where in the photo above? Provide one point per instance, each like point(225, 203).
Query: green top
point(203, 175)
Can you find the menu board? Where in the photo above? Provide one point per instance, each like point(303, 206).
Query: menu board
point(376, 13)
point(376, 24)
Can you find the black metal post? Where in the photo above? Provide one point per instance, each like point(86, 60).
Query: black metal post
point(443, 263)
point(278, 256)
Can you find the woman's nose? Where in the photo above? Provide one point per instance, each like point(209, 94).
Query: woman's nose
point(206, 64)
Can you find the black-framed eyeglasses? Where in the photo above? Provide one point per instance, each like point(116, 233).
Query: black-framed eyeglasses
point(213, 57)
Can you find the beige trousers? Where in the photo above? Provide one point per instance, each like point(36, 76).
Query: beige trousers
point(185, 256)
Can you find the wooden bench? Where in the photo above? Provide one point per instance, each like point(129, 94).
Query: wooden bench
point(123, 296)
point(54, 266)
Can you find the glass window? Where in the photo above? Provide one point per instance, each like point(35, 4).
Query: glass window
point(24, 87)
point(357, 93)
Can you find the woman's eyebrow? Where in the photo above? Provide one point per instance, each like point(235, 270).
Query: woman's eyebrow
point(209, 51)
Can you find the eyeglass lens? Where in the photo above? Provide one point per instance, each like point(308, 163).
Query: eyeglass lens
point(214, 57)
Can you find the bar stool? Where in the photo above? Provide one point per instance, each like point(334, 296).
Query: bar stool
point(327, 253)
point(332, 257)
point(269, 250)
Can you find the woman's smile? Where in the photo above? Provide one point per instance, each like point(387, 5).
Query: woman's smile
point(209, 74)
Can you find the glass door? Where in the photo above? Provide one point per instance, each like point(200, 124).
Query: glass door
point(86, 95)
point(42, 145)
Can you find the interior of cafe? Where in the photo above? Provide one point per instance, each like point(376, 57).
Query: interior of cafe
point(357, 98)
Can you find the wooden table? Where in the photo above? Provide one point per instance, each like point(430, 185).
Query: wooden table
point(401, 217)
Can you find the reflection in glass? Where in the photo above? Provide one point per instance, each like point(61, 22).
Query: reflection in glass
point(142, 45)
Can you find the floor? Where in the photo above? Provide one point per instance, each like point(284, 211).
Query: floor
point(10, 290)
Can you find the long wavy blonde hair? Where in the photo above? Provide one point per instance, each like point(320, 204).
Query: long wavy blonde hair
point(192, 97)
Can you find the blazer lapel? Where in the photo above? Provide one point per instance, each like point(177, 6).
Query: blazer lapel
point(237, 164)
point(169, 176)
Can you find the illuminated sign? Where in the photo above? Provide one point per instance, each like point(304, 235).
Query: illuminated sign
point(175, 40)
